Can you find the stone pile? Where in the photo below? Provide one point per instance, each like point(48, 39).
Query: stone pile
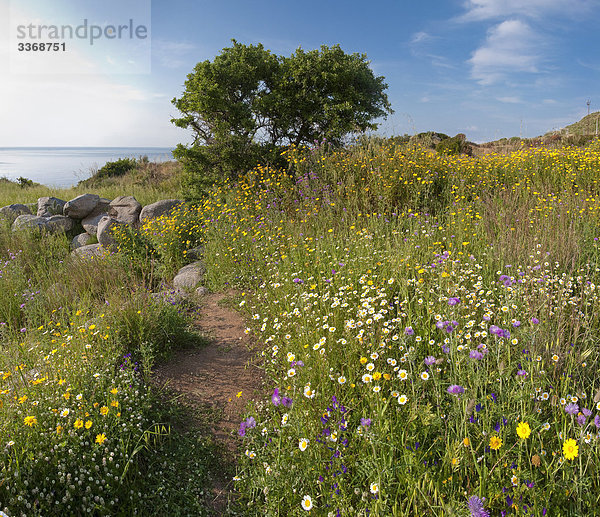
point(91, 218)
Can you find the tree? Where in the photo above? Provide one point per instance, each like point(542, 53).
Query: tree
point(248, 104)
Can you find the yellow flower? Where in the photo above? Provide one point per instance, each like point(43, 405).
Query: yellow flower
point(523, 430)
point(88, 424)
point(114, 391)
point(570, 449)
point(78, 424)
point(114, 403)
point(496, 442)
point(59, 429)
point(100, 438)
point(30, 421)
point(103, 410)
point(466, 442)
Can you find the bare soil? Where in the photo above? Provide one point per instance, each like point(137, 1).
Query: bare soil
point(218, 380)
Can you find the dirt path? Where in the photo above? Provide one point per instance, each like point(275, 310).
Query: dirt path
point(212, 377)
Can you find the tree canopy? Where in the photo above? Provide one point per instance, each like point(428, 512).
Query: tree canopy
point(248, 103)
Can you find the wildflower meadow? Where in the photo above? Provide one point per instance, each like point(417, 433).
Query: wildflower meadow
point(427, 326)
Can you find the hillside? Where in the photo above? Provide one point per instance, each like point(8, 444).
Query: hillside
point(588, 125)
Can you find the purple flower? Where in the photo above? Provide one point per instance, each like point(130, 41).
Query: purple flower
point(453, 301)
point(586, 411)
point(242, 431)
point(250, 422)
point(535, 321)
point(516, 323)
point(455, 389)
point(441, 324)
point(494, 329)
point(409, 331)
point(476, 507)
point(521, 373)
point(275, 398)
point(581, 420)
point(429, 360)
point(298, 281)
point(572, 408)
point(597, 421)
point(486, 317)
point(476, 354)
point(286, 401)
point(446, 349)
point(365, 422)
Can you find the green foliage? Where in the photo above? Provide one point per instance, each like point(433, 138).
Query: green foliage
point(117, 168)
point(247, 104)
point(456, 145)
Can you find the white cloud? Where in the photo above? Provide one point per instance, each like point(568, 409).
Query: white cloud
point(549, 101)
point(419, 37)
point(510, 47)
point(173, 54)
point(478, 10)
point(510, 100)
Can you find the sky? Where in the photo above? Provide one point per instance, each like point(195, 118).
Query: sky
point(486, 68)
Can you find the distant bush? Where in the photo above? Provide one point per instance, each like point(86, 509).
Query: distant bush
point(456, 145)
point(119, 167)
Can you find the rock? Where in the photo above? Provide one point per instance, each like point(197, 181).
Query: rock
point(58, 223)
point(81, 206)
point(195, 253)
point(90, 222)
point(125, 209)
point(105, 227)
point(83, 239)
point(201, 291)
point(29, 222)
point(90, 251)
point(49, 206)
point(190, 276)
point(11, 212)
point(159, 208)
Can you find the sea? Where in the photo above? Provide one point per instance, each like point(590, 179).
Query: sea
point(63, 167)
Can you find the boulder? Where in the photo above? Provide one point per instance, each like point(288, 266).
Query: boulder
point(125, 209)
point(90, 222)
point(105, 227)
point(90, 251)
point(159, 208)
point(29, 222)
point(83, 239)
point(59, 223)
point(201, 291)
point(49, 206)
point(195, 253)
point(11, 212)
point(190, 276)
point(81, 206)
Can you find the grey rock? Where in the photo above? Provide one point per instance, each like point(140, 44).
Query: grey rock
point(49, 206)
point(90, 222)
point(81, 206)
point(90, 251)
point(83, 239)
point(190, 276)
point(11, 212)
point(195, 253)
point(29, 222)
point(105, 227)
point(59, 223)
point(125, 209)
point(201, 291)
point(159, 208)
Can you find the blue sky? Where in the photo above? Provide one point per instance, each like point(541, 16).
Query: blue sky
point(487, 68)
